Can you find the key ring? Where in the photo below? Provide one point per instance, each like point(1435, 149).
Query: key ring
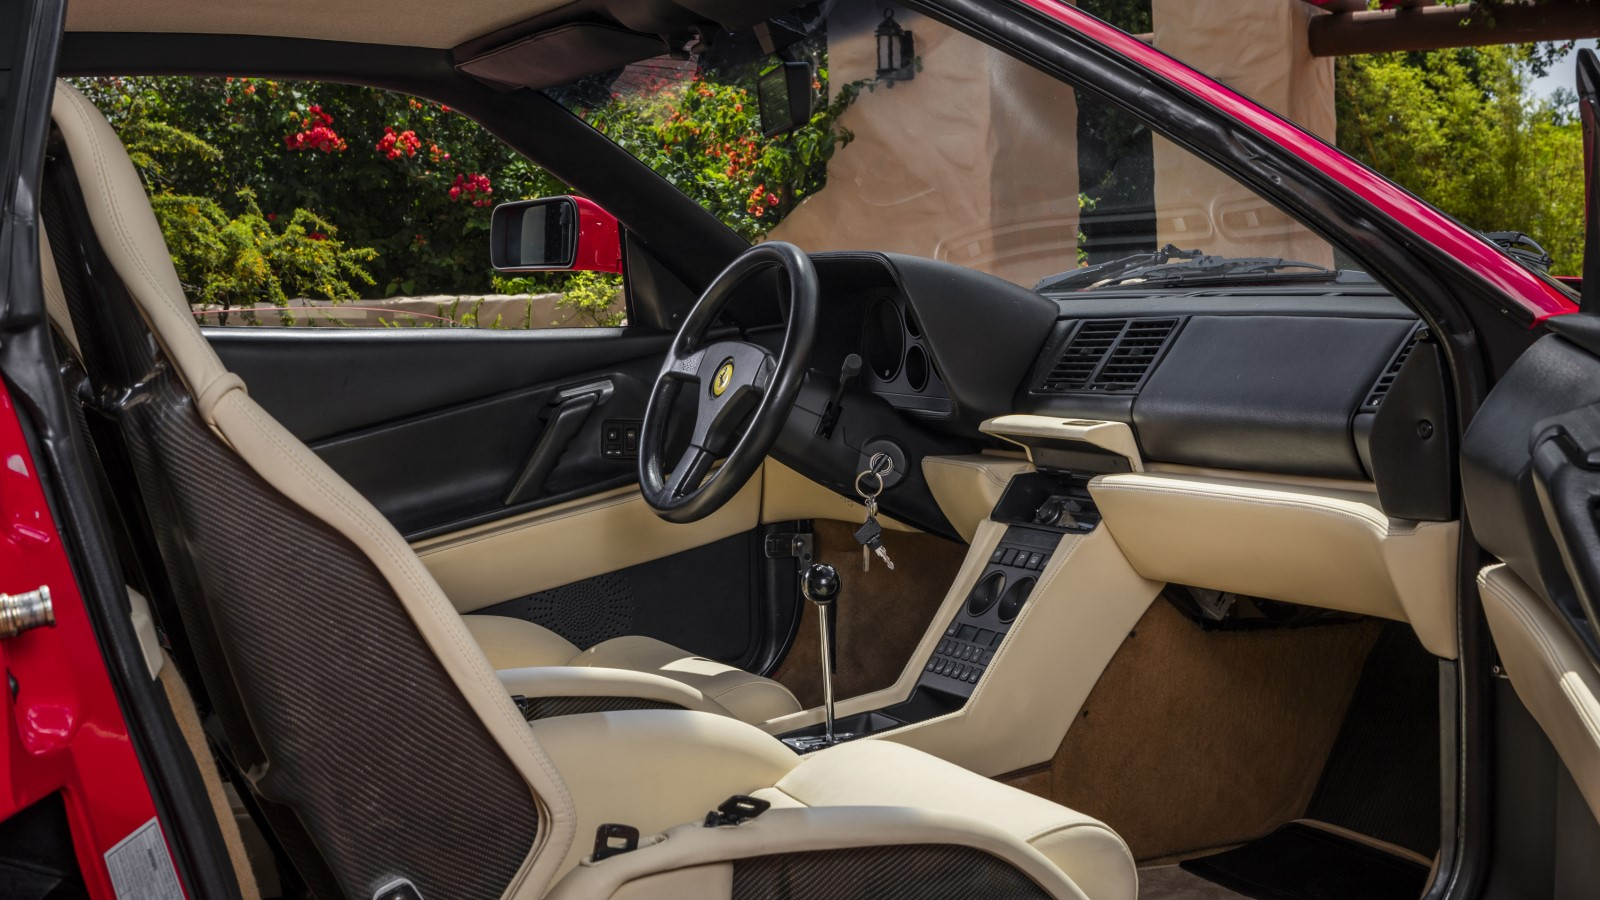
point(878, 466)
point(863, 493)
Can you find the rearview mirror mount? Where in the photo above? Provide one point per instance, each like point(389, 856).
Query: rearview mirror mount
point(554, 234)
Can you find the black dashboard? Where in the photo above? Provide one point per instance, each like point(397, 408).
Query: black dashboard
point(1330, 380)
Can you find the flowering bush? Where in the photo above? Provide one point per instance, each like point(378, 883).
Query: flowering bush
point(703, 134)
point(374, 168)
point(314, 137)
point(345, 192)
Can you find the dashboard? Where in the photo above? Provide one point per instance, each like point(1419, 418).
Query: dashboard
point(1325, 380)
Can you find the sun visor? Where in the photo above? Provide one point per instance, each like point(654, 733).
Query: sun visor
point(559, 55)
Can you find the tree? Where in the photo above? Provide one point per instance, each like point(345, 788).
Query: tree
point(1458, 128)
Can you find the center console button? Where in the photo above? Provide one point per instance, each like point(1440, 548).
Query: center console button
point(1009, 557)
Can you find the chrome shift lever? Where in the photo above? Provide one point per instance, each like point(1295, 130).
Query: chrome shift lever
point(820, 585)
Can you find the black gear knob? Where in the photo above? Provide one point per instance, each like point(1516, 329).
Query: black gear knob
point(820, 583)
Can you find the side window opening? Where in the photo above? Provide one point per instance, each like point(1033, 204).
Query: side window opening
point(307, 204)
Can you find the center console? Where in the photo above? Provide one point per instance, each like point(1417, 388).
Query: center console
point(1038, 509)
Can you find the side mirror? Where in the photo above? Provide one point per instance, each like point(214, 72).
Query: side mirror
point(554, 234)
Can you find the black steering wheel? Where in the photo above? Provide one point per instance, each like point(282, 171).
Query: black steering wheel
point(742, 394)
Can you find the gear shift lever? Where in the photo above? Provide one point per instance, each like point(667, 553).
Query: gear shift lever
point(820, 585)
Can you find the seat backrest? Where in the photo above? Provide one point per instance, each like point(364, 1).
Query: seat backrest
point(349, 693)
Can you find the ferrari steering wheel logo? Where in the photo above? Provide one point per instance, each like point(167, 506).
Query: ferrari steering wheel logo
point(721, 380)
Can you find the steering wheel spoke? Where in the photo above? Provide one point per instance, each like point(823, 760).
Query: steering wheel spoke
point(691, 471)
point(740, 393)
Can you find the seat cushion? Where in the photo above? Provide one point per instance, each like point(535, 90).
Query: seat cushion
point(519, 644)
point(747, 697)
point(883, 773)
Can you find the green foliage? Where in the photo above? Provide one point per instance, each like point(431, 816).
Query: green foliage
point(703, 134)
point(412, 181)
point(1457, 128)
point(243, 260)
point(267, 190)
point(593, 296)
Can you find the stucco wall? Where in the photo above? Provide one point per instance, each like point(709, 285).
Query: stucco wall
point(973, 161)
point(1258, 48)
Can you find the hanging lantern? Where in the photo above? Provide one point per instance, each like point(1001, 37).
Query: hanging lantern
point(897, 51)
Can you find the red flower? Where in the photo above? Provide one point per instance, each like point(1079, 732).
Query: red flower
point(474, 186)
point(315, 137)
point(394, 145)
point(317, 236)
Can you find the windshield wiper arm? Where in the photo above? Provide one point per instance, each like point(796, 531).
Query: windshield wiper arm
point(1089, 275)
point(1168, 266)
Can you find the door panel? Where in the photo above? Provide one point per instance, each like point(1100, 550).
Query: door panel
point(1554, 678)
point(436, 428)
point(571, 542)
point(1531, 480)
point(442, 431)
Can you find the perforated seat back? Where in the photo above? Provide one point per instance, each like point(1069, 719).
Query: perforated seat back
point(346, 689)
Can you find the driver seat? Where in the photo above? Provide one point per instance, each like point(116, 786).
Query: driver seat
point(369, 727)
point(653, 672)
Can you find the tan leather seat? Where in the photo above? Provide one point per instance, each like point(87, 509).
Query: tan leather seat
point(518, 644)
point(371, 723)
point(515, 644)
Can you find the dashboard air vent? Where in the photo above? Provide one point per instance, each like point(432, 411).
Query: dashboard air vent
point(1380, 388)
point(1112, 355)
point(1083, 355)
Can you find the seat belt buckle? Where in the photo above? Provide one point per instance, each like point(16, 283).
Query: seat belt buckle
point(612, 839)
point(736, 810)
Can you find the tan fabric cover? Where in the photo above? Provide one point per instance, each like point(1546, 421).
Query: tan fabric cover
point(417, 23)
point(747, 697)
point(576, 681)
point(1551, 672)
point(694, 847)
point(883, 773)
point(1324, 547)
point(517, 643)
point(967, 487)
point(654, 770)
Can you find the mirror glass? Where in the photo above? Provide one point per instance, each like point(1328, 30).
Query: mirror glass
point(535, 234)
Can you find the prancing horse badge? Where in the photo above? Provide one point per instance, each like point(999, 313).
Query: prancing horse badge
point(720, 381)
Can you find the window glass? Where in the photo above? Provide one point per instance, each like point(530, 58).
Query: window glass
point(962, 154)
point(309, 204)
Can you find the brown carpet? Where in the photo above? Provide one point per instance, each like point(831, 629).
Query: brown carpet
point(882, 614)
point(1173, 883)
point(1195, 739)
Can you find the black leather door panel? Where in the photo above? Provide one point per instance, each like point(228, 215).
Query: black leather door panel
point(435, 427)
point(454, 467)
point(321, 383)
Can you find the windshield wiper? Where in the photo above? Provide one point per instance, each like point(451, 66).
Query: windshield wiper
point(1169, 266)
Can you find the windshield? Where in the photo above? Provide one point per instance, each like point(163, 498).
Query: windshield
point(950, 150)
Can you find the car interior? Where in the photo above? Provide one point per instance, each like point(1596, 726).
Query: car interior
point(1176, 593)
